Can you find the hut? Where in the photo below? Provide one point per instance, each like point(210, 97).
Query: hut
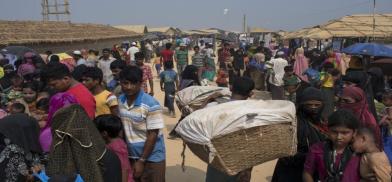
point(140, 29)
point(60, 36)
point(352, 26)
point(169, 31)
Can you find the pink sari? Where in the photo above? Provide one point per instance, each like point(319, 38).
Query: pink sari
point(56, 102)
point(300, 66)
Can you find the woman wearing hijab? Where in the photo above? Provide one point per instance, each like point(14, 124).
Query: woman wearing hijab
point(356, 76)
point(189, 77)
point(301, 64)
point(56, 102)
point(78, 148)
point(310, 129)
point(28, 65)
point(19, 147)
point(354, 100)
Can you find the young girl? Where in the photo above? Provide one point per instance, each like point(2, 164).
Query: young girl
point(374, 162)
point(169, 84)
point(110, 127)
point(42, 110)
point(334, 160)
point(30, 92)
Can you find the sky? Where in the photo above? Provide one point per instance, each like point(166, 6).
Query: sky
point(195, 14)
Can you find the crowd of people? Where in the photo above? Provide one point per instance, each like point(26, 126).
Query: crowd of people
point(96, 118)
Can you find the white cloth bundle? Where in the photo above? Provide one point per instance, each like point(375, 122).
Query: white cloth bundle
point(205, 124)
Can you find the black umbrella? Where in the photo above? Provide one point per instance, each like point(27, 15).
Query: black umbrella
point(19, 52)
point(385, 64)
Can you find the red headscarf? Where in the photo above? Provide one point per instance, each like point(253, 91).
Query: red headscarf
point(360, 108)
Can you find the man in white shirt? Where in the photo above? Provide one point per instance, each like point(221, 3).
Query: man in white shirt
point(77, 55)
point(149, 51)
point(131, 52)
point(276, 76)
point(104, 65)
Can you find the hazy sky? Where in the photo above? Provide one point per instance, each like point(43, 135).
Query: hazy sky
point(190, 14)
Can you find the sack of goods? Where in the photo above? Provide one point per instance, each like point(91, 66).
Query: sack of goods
point(196, 97)
point(237, 135)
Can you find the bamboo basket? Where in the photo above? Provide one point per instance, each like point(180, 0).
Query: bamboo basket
point(243, 149)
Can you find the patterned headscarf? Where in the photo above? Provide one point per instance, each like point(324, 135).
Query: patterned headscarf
point(77, 145)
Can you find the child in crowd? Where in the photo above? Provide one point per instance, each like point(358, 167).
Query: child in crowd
point(386, 123)
point(110, 127)
point(30, 92)
point(42, 110)
point(105, 101)
point(16, 88)
point(374, 162)
point(169, 84)
point(114, 85)
point(221, 79)
point(157, 63)
point(386, 113)
point(17, 108)
point(291, 83)
point(333, 160)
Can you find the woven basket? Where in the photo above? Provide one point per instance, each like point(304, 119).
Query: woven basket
point(247, 148)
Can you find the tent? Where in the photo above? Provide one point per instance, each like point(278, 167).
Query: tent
point(348, 27)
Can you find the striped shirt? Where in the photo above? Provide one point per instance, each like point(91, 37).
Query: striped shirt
point(198, 60)
point(145, 114)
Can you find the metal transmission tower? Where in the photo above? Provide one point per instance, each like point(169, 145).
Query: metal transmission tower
point(53, 8)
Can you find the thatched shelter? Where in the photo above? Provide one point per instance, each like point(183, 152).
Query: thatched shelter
point(60, 36)
point(256, 30)
point(140, 29)
point(349, 27)
point(170, 31)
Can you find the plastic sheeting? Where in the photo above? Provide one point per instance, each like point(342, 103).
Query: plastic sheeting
point(197, 97)
point(205, 124)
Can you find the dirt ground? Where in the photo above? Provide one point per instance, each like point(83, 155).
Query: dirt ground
point(195, 169)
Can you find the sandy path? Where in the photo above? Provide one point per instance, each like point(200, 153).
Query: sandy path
point(195, 168)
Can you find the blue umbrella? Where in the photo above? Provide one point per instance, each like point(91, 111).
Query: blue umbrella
point(369, 49)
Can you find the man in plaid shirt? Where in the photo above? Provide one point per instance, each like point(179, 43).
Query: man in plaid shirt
point(147, 73)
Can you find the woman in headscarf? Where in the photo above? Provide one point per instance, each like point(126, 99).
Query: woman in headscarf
point(19, 147)
point(354, 100)
point(28, 64)
point(78, 148)
point(189, 77)
point(310, 129)
point(356, 76)
point(301, 64)
point(56, 102)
